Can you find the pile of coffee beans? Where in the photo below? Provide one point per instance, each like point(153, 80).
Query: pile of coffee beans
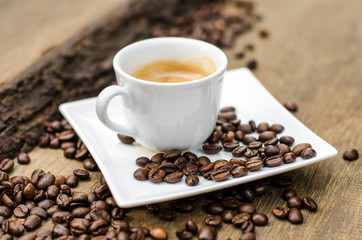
point(295, 204)
point(229, 135)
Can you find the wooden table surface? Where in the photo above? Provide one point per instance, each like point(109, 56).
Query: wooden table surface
point(312, 57)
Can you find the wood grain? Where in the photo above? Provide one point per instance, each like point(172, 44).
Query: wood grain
point(313, 57)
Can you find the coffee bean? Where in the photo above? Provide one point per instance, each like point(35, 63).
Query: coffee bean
point(259, 219)
point(23, 158)
point(125, 139)
point(207, 233)
point(266, 135)
point(98, 227)
point(5, 212)
point(183, 234)
point(21, 211)
point(80, 212)
point(251, 153)
point(32, 222)
point(45, 181)
point(255, 145)
point(6, 165)
point(54, 142)
point(3, 176)
point(44, 140)
point(67, 135)
point(288, 193)
point(254, 165)
point(39, 212)
point(63, 200)
point(7, 201)
point(190, 169)
point(274, 161)
point(291, 106)
point(212, 148)
point(247, 226)
point(295, 216)
point(230, 202)
point(247, 193)
point(277, 128)
point(192, 180)
point(59, 180)
point(81, 174)
point(229, 115)
point(16, 228)
point(308, 153)
point(89, 164)
point(309, 204)
point(70, 152)
point(288, 140)
point(260, 188)
point(239, 135)
point(97, 214)
point(240, 218)
point(28, 236)
point(172, 154)
point(227, 215)
point(142, 161)
point(203, 160)
point(53, 209)
point(282, 181)
point(262, 127)
point(228, 137)
point(214, 208)
point(100, 204)
point(281, 212)
point(289, 157)
point(295, 202)
point(213, 221)
point(350, 154)
point(156, 175)
point(141, 174)
point(66, 145)
point(271, 150)
point(72, 181)
point(300, 147)
point(247, 236)
point(248, 139)
point(158, 233)
point(79, 226)
point(167, 214)
point(245, 128)
point(246, 208)
point(191, 226)
point(52, 191)
point(272, 141)
point(230, 146)
point(81, 154)
point(120, 225)
point(60, 230)
point(184, 206)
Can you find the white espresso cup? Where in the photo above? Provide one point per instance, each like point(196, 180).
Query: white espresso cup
point(165, 116)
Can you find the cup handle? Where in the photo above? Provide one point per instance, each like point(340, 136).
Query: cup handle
point(102, 105)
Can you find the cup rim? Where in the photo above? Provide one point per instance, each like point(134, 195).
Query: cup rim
point(219, 72)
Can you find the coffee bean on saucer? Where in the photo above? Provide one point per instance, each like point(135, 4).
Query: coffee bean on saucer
point(141, 174)
point(156, 175)
point(212, 148)
point(142, 161)
point(289, 157)
point(125, 139)
point(300, 147)
point(309, 204)
point(192, 180)
point(350, 154)
point(291, 106)
point(277, 128)
point(288, 140)
point(308, 153)
point(23, 158)
point(174, 177)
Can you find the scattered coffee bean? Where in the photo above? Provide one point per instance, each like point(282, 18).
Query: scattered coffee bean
point(207, 233)
point(227, 215)
point(6, 165)
point(259, 219)
point(295, 216)
point(167, 214)
point(247, 236)
point(350, 154)
point(252, 64)
point(23, 158)
point(240, 218)
point(291, 106)
point(246, 208)
point(32, 222)
point(89, 164)
point(281, 212)
point(213, 221)
point(309, 204)
point(81, 174)
point(158, 233)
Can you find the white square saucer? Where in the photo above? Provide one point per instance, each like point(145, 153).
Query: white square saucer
point(117, 160)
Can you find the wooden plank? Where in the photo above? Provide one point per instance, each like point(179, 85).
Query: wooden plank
point(312, 57)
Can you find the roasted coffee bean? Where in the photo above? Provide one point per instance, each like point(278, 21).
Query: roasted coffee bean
point(247, 236)
point(246, 208)
point(5, 212)
point(62, 217)
point(259, 219)
point(70, 152)
point(153, 208)
point(228, 137)
point(191, 226)
point(277, 128)
point(281, 212)
point(125, 139)
point(142, 161)
point(207, 168)
point(228, 127)
point(190, 169)
point(97, 214)
point(89, 164)
point(29, 191)
point(72, 181)
point(239, 151)
point(220, 175)
point(80, 212)
point(63, 200)
point(157, 158)
point(141, 174)
point(229, 115)
point(239, 135)
point(295, 216)
point(272, 141)
point(172, 154)
point(122, 235)
point(247, 226)
point(60, 230)
point(32, 222)
point(28, 236)
point(251, 153)
point(192, 180)
point(254, 165)
point(260, 188)
point(3, 176)
point(288, 140)
point(262, 127)
point(66, 145)
point(52, 191)
point(67, 135)
point(255, 145)
point(81, 154)
point(53, 209)
point(207, 233)
point(5, 226)
point(183, 234)
point(291, 106)
point(64, 188)
point(248, 139)
point(295, 202)
point(300, 147)
point(168, 167)
point(156, 175)
point(100, 204)
point(46, 203)
point(44, 234)
point(283, 148)
point(282, 181)
point(6, 165)
point(167, 214)
point(45, 181)
point(180, 162)
point(308, 153)
point(54, 142)
point(23, 158)
point(92, 197)
point(214, 208)
point(16, 228)
point(81, 174)
point(79, 197)
point(7, 201)
point(247, 193)
point(44, 140)
point(350, 154)
point(98, 227)
point(289, 157)
point(274, 161)
point(271, 150)
point(158, 233)
point(79, 226)
point(184, 206)
point(230, 146)
point(227, 215)
point(21, 211)
point(152, 165)
point(246, 128)
point(230, 202)
point(309, 204)
point(240, 218)
point(266, 135)
point(212, 148)
point(59, 180)
point(213, 221)
point(39, 212)
point(120, 225)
